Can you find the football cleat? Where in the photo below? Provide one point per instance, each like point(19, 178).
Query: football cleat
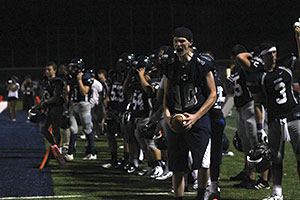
point(145, 171)
point(69, 157)
point(261, 184)
point(158, 171)
point(131, 169)
point(274, 197)
point(90, 157)
point(238, 177)
point(165, 176)
point(246, 183)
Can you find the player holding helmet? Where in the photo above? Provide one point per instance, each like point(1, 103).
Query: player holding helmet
point(282, 107)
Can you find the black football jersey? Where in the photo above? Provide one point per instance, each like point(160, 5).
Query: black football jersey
point(216, 110)
point(253, 79)
point(141, 103)
point(116, 96)
point(75, 94)
point(277, 86)
point(242, 94)
point(187, 87)
point(49, 86)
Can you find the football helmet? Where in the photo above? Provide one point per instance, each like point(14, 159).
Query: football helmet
point(126, 60)
point(259, 157)
point(77, 62)
point(35, 115)
point(237, 142)
point(225, 142)
point(76, 65)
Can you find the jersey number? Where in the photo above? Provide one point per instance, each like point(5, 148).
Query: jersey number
point(237, 87)
point(188, 96)
point(280, 87)
point(116, 93)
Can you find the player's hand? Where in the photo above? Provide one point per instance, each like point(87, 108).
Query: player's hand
point(79, 76)
point(262, 136)
point(141, 71)
point(297, 32)
point(190, 120)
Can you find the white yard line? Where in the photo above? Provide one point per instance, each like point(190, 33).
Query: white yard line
point(3, 105)
point(230, 127)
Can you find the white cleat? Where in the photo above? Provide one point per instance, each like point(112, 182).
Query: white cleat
point(90, 157)
point(69, 157)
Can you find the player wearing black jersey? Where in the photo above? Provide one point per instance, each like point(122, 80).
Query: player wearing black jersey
point(115, 105)
point(139, 91)
point(80, 83)
point(149, 82)
point(52, 101)
point(283, 112)
point(189, 89)
point(217, 130)
point(245, 86)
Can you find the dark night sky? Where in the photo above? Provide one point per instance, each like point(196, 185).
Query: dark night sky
point(99, 31)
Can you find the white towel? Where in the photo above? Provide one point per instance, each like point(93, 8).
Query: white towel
point(284, 130)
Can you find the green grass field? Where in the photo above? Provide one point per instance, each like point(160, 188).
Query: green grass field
point(87, 180)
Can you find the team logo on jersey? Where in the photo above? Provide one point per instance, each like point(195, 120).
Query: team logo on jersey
point(184, 77)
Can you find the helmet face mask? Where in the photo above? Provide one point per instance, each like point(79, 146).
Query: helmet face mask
point(35, 115)
point(76, 66)
point(259, 158)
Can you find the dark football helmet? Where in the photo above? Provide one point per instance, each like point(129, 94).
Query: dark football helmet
point(76, 65)
point(35, 115)
point(125, 60)
point(143, 62)
point(237, 142)
point(259, 158)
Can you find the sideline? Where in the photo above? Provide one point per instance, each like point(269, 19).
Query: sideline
point(22, 148)
point(46, 197)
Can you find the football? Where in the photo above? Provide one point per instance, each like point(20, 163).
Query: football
point(177, 123)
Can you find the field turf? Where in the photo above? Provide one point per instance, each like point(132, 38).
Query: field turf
point(87, 180)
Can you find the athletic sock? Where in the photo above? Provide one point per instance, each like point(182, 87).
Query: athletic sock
point(135, 162)
point(277, 189)
point(214, 186)
point(200, 193)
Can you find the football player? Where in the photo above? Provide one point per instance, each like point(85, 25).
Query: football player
point(80, 83)
point(149, 82)
point(283, 110)
point(116, 104)
point(139, 91)
point(245, 86)
point(189, 88)
point(217, 130)
point(53, 101)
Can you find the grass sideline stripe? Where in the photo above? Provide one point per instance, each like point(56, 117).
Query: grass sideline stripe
point(46, 197)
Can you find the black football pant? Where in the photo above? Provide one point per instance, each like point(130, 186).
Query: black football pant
point(53, 117)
